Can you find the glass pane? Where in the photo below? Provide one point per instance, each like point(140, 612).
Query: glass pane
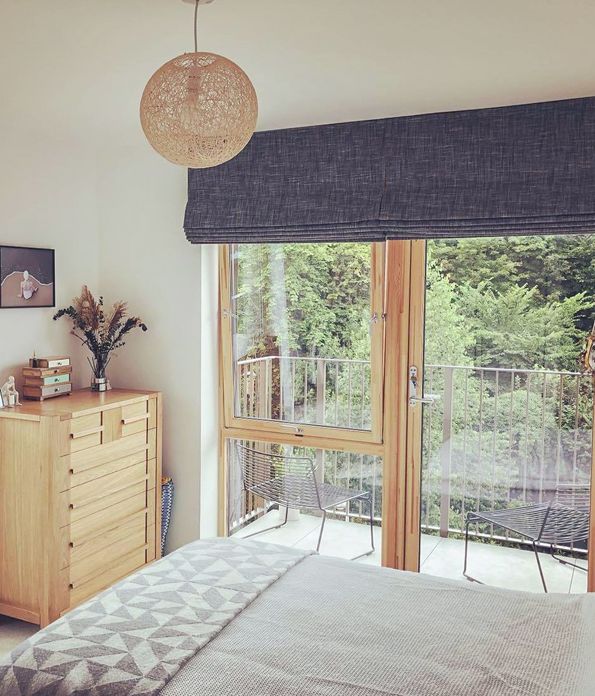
point(301, 333)
point(510, 432)
point(253, 507)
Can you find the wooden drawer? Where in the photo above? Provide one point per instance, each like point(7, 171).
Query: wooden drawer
point(128, 527)
point(94, 564)
point(108, 468)
point(133, 499)
point(90, 463)
point(111, 573)
point(80, 433)
point(97, 494)
point(139, 417)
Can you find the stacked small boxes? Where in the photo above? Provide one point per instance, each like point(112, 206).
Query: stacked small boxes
point(47, 377)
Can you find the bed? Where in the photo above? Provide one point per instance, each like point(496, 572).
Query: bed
point(244, 617)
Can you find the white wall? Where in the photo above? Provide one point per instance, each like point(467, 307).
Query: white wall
point(145, 259)
point(45, 202)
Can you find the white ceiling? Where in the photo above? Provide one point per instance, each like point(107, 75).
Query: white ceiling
point(79, 66)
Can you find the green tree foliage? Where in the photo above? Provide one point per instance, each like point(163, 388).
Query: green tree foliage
point(448, 338)
point(554, 267)
point(313, 299)
point(516, 328)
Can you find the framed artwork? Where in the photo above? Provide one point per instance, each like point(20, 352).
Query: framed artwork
point(27, 277)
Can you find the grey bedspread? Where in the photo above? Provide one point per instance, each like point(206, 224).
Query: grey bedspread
point(135, 636)
point(331, 627)
point(245, 618)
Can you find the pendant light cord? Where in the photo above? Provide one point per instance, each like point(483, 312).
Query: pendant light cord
point(196, 26)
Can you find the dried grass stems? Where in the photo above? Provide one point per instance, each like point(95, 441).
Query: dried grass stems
point(102, 333)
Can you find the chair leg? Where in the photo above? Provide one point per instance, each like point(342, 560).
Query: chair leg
point(321, 530)
point(372, 524)
point(371, 551)
point(268, 529)
point(466, 547)
point(539, 566)
point(465, 574)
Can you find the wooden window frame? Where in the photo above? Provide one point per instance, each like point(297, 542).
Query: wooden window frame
point(261, 428)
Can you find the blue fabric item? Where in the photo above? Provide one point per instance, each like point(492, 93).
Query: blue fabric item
point(526, 169)
point(167, 501)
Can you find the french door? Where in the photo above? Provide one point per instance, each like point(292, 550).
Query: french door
point(499, 453)
point(329, 351)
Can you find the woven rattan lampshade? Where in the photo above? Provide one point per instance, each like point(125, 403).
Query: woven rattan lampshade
point(199, 110)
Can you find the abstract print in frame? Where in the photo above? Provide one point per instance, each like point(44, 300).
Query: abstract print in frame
point(26, 277)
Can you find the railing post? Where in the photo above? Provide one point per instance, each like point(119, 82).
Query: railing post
point(269, 388)
point(446, 452)
point(320, 391)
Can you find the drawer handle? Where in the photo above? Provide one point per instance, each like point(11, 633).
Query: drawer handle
point(84, 433)
point(71, 586)
point(71, 544)
point(136, 419)
point(72, 506)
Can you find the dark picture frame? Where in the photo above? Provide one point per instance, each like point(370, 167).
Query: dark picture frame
point(27, 277)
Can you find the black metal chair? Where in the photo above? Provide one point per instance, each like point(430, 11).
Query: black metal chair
point(561, 522)
point(291, 482)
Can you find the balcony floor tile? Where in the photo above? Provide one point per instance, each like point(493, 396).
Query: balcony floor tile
point(499, 566)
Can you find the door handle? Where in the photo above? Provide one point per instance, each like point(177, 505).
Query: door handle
point(428, 399)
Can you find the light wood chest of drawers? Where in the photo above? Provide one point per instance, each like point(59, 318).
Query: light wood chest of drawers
point(80, 498)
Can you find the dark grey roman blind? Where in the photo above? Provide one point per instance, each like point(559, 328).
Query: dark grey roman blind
point(510, 170)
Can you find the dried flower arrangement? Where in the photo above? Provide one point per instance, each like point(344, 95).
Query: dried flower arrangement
point(101, 333)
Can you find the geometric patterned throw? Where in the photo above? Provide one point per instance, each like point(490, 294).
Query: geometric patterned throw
point(135, 636)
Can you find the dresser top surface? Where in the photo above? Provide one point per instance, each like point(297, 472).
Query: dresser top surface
point(78, 402)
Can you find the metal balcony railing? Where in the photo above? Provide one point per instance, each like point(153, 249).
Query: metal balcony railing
point(495, 438)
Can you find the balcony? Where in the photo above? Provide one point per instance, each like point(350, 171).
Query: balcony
point(495, 438)
point(494, 565)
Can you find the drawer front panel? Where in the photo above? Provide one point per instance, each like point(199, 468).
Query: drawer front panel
point(106, 469)
point(128, 527)
point(80, 433)
point(54, 389)
point(91, 497)
point(137, 500)
point(110, 574)
point(82, 424)
point(135, 418)
point(94, 564)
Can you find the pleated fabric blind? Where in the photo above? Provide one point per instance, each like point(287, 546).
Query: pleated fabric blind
point(513, 170)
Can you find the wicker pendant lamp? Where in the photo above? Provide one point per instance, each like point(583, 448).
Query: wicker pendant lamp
point(199, 109)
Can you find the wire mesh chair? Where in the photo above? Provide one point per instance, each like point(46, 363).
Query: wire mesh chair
point(561, 522)
point(291, 482)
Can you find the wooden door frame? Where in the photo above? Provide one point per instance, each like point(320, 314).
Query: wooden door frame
point(390, 284)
